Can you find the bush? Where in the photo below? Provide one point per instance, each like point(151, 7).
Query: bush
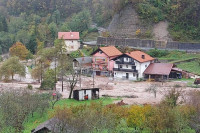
point(158, 53)
point(30, 87)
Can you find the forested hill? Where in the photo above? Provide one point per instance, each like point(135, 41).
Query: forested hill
point(35, 21)
point(31, 21)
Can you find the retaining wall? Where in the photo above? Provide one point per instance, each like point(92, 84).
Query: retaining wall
point(139, 43)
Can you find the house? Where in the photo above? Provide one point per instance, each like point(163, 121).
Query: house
point(84, 64)
point(131, 65)
point(162, 71)
point(86, 94)
point(71, 40)
point(54, 125)
point(102, 60)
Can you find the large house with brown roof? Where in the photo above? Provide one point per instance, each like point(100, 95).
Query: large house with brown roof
point(131, 65)
point(103, 60)
point(71, 40)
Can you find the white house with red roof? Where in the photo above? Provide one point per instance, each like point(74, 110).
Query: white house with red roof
point(131, 65)
point(72, 40)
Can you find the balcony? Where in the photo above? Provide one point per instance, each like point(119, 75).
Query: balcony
point(125, 70)
point(126, 63)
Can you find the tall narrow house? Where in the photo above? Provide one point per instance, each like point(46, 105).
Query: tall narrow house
point(131, 65)
point(71, 40)
point(103, 62)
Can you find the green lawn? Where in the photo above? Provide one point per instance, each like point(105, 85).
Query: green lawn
point(190, 67)
point(178, 55)
point(37, 119)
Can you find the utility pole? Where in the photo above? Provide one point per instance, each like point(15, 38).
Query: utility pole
point(55, 73)
point(93, 76)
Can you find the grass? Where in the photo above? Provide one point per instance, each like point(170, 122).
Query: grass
point(33, 122)
point(190, 67)
point(179, 55)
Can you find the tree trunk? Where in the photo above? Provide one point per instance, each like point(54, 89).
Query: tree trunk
point(70, 95)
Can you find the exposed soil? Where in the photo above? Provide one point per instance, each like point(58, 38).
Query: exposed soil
point(160, 31)
point(130, 92)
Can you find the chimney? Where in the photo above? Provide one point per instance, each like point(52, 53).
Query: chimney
point(143, 56)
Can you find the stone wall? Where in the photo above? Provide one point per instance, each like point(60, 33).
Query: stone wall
point(149, 44)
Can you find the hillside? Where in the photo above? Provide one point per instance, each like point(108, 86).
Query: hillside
point(127, 23)
point(163, 20)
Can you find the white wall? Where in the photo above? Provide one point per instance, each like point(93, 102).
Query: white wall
point(122, 75)
point(140, 67)
point(143, 67)
point(72, 45)
point(82, 94)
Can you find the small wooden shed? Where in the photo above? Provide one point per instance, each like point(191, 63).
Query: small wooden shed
point(86, 94)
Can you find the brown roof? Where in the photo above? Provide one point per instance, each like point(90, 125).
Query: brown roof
point(110, 51)
point(159, 69)
point(137, 55)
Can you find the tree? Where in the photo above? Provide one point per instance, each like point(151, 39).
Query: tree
point(72, 80)
point(152, 89)
point(23, 37)
point(80, 22)
point(18, 105)
point(174, 96)
point(48, 80)
point(32, 43)
point(53, 30)
point(63, 59)
point(19, 50)
point(11, 67)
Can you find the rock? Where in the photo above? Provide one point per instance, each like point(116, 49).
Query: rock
point(126, 23)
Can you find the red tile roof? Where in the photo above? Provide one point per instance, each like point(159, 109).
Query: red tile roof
point(111, 51)
point(140, 56)
point(159, 69)
point(68, 35)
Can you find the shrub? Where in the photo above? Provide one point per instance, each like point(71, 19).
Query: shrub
point(30, 87)
point(158, 53)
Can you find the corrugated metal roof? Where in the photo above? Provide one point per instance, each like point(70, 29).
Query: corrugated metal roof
point(84, 60)
point(159, 69)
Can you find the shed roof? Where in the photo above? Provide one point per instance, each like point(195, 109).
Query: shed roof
point(84, 60)
point(140, 56)
point(110, 51)
point(68, 35)
point(159, 69)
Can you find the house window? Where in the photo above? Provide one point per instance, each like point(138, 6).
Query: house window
point(126, 58)
point(115, 73)
point(120, 66)
point(100, 52)
point(126, 66)
point(145, 66)
point(133, 74)
point(134, 67)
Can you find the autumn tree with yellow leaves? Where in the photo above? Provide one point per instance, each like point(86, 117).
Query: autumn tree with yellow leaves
point(19, 50)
